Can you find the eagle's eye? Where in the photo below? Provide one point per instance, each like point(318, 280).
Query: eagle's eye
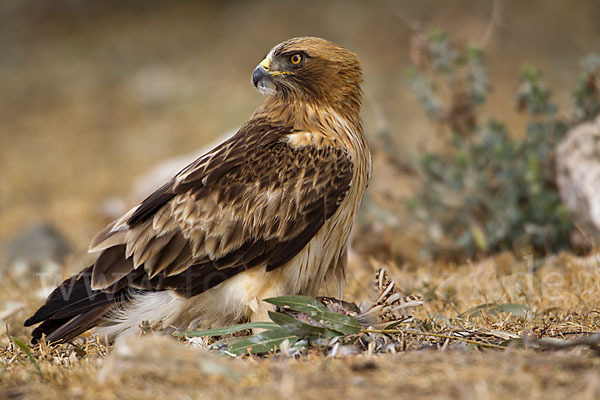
point(296, 58)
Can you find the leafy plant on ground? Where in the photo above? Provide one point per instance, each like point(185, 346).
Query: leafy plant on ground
point(317, 323)
point(487, 190)
point(303, 323)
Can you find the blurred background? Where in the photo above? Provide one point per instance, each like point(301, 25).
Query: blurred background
point(96, 93)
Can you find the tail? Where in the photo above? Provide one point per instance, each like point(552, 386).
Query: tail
point(73, 308)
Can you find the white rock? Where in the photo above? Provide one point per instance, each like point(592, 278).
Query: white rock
point(578, 175)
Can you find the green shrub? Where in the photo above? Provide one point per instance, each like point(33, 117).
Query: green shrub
point(488, 191)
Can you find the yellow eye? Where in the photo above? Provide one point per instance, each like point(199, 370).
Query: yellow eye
point(296, 59)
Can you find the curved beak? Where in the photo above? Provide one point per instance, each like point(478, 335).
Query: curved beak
point(261, 77)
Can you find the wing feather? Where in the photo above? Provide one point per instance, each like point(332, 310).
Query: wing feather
point(255, 200)
point(167, 255)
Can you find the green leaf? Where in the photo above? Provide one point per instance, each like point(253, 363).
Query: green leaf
point(21, 345)
point(518, 310)
point(436, 35)
point(479, 236)
point(313, 308)
point(342, 323)
point(226, 330)
point(263, 342)
point(303, 304)
point(515, 309)
point(299, 328)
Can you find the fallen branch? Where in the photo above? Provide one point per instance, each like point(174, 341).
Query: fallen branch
point(591, 341)
point(439, 335)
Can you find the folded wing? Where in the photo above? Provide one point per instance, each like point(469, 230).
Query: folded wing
point(254, 200)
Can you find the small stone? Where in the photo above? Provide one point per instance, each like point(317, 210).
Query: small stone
point(38, 248)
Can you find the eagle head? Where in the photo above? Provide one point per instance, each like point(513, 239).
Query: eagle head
point(309, 69)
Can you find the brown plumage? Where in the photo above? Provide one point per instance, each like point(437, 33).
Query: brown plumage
point(266, 213)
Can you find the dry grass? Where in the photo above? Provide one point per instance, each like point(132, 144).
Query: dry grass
point(561, 294)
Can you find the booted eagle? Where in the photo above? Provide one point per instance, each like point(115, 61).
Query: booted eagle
point(266, 213)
